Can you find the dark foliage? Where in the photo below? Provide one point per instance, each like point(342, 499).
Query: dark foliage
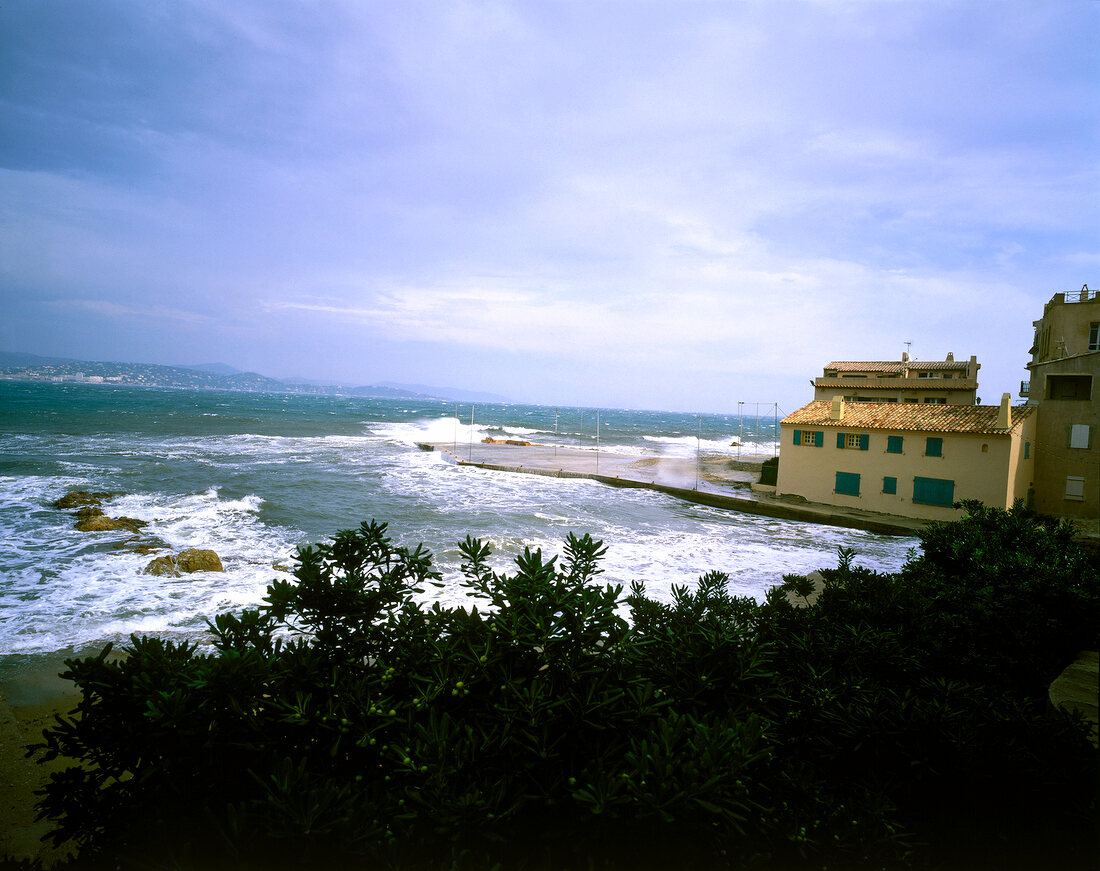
point(769, 471)
point(899, 722)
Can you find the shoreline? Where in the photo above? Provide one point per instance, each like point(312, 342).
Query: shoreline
point(716, 480)
point(31, 697)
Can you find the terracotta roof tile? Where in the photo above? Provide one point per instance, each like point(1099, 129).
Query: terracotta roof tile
point(897, 366)
point(870, 366)
point(907, 416)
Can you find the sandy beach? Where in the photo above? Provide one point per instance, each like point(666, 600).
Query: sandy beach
point(31, 694)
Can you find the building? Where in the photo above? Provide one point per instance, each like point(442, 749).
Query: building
point(942, 382)
point(1065, 385)
point(908, 459)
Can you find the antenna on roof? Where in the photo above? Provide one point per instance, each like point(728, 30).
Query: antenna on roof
point(905, 356)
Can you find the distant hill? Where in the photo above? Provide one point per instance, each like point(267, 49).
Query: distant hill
point(214, 368)
point(452, 393)
point(18, 358)
point(210, 376)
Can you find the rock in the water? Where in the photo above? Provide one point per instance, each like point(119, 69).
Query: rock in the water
point(192, 560)
point(195, 560)
point(79, 498)
point(94, 520)
point(162, 566)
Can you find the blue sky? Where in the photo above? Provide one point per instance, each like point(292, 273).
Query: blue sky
point(673, 205)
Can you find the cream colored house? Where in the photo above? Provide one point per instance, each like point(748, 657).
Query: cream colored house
point(938, 382)
point(909, 459)
point(1065, 385)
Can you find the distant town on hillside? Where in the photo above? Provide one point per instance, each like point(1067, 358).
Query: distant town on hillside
point(15, 366)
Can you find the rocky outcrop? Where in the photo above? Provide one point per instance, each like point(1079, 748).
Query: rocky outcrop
point(80, 499)
point(162, 567)
point(195, 560)
point(185, 562)
point(91, 519)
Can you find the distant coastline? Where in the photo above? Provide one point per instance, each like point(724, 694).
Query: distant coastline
point(16, 366)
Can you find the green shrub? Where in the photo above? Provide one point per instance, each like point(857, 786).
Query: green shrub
point(769, 471)
point(344, 722)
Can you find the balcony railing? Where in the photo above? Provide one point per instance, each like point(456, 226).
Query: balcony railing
point(1025, 388)
point(1082, 295)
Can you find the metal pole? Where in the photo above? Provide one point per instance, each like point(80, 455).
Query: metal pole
point(740, 427)
point(454, 447)
point(597, 441)
point(698, 447)
point(471, 454)
point(555, 433)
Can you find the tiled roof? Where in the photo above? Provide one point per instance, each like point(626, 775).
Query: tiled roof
point(880, 366)
point(897, 366)
point(907, 416)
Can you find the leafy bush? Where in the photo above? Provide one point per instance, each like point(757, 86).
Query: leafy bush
point(900, 720)
point(769, 471)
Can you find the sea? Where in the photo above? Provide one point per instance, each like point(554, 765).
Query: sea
point(255, 476)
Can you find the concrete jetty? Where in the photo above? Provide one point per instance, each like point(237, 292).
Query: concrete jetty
point(718, 480)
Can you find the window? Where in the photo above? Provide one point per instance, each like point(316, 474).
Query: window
point(933, 447)
point(912, 401)
point(889, 485)
point(847, 483)
point(933, 401)
point(1075, 488)
point(894, 444)
point(1079, 436)
point(1073, 387)
point(809, 438)
point(1094, 336)
point(933, 491)
point(853, 440)
point(1027, 450)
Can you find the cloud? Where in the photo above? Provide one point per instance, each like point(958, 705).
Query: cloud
point(115, 311)
point(736, 191)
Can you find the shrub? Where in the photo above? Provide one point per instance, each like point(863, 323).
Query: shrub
point(344, 722)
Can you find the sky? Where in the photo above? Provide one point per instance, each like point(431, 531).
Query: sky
point(665, 205)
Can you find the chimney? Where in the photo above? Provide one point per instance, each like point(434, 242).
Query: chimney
point(1004, 413)
point(837, 410)
point(950, 357)
point(904, 356)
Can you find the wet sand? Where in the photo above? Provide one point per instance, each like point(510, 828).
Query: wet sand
point(31, 694)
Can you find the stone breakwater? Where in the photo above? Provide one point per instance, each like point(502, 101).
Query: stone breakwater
point(715, 480)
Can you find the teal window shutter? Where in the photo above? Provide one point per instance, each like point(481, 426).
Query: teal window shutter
point(933, 447)
point(840, 439)
point(934, 491)
point(798, 436)
point(1027, 450)
point(819, 439)
point(864, 441)
point(894, 444)
point(847, 483)
point(889, 485)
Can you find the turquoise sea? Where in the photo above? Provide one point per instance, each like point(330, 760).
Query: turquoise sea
point(253, 476)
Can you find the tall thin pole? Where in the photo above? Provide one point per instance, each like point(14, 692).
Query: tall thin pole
point(454, 447)
point(740, 427)
point(597, 441)
point(698, 448)
point(471, 454)
point(775, 429)
point(555, 433)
